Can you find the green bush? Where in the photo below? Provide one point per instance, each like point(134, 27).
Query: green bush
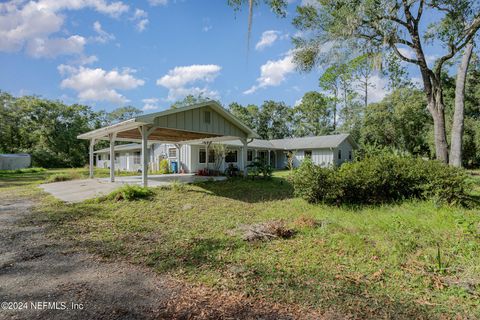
point(25, 170)
point(381, 178)
point(164, 166)
point(130, 192)
point(59, 177)
point(260, 167)
point(314, 183)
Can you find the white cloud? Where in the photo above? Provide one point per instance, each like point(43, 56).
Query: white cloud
point(142, 25)
point(102, 35)
point(267, 39)
point(141, 20)
point(273, 73)
point(98, 84)
point(83, 60)
point(150, 104)
point(207, 25)
point(158, 2)
point(179, 81)
point(32, 25)
point(52, 47)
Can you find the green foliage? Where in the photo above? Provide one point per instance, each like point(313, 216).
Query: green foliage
point(260, 167)
point(380, 179)
point(122, 114)
point(164, 166)
point(313, 116)
point(63, 177)
point(314, 183)
point(25, 170)
point(130, 193)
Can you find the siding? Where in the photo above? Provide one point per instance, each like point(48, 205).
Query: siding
point(194, 120)
point(345, 146)
point(321, 157)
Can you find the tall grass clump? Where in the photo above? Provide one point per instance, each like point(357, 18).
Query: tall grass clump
point(130, 193)
point(59, 177)
point(381, 178)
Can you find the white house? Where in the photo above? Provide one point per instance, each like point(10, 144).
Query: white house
point(186, 135)
point(324, 150)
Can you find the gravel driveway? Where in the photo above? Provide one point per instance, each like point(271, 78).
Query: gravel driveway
point(50, 281)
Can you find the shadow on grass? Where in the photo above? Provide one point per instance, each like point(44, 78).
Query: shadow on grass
point(249, 190)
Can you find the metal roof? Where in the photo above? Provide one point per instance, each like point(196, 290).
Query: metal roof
point(317, 142)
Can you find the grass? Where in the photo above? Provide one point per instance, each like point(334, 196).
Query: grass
point(409, 260)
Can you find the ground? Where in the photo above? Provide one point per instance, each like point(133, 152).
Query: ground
point(409, 260)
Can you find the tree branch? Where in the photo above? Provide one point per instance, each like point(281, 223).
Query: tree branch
point(401, 56)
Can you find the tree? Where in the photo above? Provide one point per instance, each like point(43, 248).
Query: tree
point(274, 120)
point(122, 114)
point(248, 115)
point(189, 100)
point(330, 82)
point(459, 115)
point(392, 24)
point(312, 116)
point(362, 69)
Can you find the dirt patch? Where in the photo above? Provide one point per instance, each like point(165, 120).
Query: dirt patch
point(61, 284)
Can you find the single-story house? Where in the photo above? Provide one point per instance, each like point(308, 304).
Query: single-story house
point(189, 134)
point(323, 150)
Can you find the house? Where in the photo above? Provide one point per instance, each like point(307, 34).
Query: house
point(323, 150)
point(188, 135)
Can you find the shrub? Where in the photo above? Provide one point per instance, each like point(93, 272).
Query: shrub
point(260, 167)
point(164, 166)
point(130, 192)
point(63, 177)
point(380, 178)
point(314, 183)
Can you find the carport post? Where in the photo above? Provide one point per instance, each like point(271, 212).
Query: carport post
point(268, 157)
point(112, 137)
point(244, 156)
point(92, 144)
point(144, 156)
point(179, 147)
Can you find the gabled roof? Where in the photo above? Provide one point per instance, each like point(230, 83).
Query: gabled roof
point(148, 119)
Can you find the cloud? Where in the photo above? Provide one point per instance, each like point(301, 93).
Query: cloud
point(267, 39)
point(273, 73)
point(140, 17)
point(378, 90)
point(102, 35)
point(158, 2)
point(207, 25)
point(32, 25)
point(179, 81)
point(98, 84)
point(150, 104)
point(52, 47)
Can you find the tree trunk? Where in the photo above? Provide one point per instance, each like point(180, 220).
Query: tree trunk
point(436, 108)
point(458, 116)
point(335, 110)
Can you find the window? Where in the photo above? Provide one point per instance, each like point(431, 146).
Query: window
point(202, 156)
point(206, 116)
point(172, 152)
point(231, 156)
point(339, 154)
point(108, 156)
point(249, 155)
point(211, 156)
point(117, 156)
point(308, 154)
point(136, 157)
point(350, 155)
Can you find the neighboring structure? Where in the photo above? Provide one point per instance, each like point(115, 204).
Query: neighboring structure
point(324, 151)
point(186, 134)
point(15, 161)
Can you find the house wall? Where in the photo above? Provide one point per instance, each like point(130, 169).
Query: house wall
point(321, 157)
point(345, 147)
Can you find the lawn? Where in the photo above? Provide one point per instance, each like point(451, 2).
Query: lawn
point(409, 260)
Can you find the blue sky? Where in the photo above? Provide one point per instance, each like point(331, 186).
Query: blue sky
point(107, 57)
point(148, 53)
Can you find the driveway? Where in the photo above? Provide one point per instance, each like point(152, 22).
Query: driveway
point(80, 190)
point(49, 280)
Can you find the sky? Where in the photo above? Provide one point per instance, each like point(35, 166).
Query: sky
point(149, 53)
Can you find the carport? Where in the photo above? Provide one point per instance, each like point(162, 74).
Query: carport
point(205, 122)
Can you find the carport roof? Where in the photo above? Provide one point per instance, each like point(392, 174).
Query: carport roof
point(128, 130)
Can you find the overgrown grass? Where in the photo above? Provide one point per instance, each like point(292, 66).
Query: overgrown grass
point(409, 260)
